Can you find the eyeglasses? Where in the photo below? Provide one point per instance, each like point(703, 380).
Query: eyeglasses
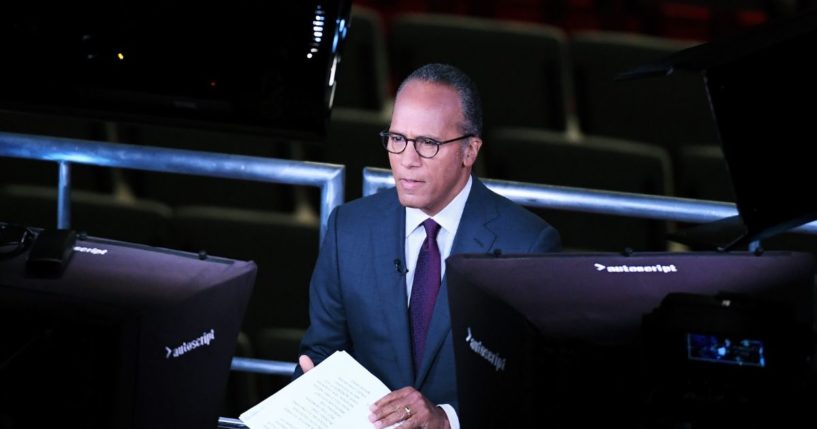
point(14, 239)
point(425, 147)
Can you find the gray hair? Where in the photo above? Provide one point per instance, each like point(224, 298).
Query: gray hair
point(455, 78)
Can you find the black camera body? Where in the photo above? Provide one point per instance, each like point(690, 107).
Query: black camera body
point(719, 359)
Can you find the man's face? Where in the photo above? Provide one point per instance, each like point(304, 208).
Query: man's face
point(424, 109)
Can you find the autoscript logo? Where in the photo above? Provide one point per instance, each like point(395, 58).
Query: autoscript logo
point(203, 340)
point(492, 358)
point(657, 268)
point(91, 250)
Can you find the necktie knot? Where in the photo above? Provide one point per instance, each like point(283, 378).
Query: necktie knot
point(432, 228)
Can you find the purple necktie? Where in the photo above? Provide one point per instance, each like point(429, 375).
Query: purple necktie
point(424, 290)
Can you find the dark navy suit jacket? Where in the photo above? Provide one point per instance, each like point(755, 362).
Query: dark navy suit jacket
point(358, 300)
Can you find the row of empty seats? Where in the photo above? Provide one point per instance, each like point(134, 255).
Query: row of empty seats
point(537, 156)
point(532, 75)
point(522, 154)
point(547, 157)
point(554, 112)
point(528, 87)
point(670, 18)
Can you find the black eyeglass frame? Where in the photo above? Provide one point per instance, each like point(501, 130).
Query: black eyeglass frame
point(385, 136)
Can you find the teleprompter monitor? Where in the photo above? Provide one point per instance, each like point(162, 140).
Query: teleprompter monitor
point(265, 67)
point(127, 337)
point(757, 83)
point(607, 340)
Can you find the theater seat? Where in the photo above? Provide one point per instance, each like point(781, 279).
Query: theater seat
point(668, 111)
point(363, 80)
point(539, 156)
point(520, 69)
point(99, 215)
point(180, 189)
point(242, 390)
point(281, 344)
point(283, 247)
point(702, 174)
point(353, 141)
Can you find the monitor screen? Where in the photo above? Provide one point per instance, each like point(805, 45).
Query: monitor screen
point(726, 350)
point(261, 67)
point(598, 340)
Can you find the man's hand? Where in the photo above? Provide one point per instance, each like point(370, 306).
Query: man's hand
point(306, 363)
point(410, 407)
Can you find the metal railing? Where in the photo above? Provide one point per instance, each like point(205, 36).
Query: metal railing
point(328, 177)
point(593, 201)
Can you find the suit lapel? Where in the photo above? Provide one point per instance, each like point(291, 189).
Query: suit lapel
point(473, 236)
point(388, 237)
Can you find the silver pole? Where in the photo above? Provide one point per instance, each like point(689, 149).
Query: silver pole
point(230, 423)
point(331, 197)
point(261, 366)
point(64, 196)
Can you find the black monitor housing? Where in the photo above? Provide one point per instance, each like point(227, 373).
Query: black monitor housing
point(603, 340)
point(758, 83)
point(127, 336)
point(243, 66)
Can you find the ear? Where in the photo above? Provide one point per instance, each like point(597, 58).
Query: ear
point(469, 155)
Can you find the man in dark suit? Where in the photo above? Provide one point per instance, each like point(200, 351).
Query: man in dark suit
point(378, 290)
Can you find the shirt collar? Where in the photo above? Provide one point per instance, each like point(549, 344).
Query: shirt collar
point(448, 217)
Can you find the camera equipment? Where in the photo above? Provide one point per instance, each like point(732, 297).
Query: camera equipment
point(51, 252)
point(14, 239)
point(725, 359)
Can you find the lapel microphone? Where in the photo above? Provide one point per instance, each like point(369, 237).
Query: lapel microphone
point(398, 266)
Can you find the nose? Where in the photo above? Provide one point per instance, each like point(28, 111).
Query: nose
point(410, 157)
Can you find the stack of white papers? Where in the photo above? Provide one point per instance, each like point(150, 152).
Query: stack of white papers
point(335, 394)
